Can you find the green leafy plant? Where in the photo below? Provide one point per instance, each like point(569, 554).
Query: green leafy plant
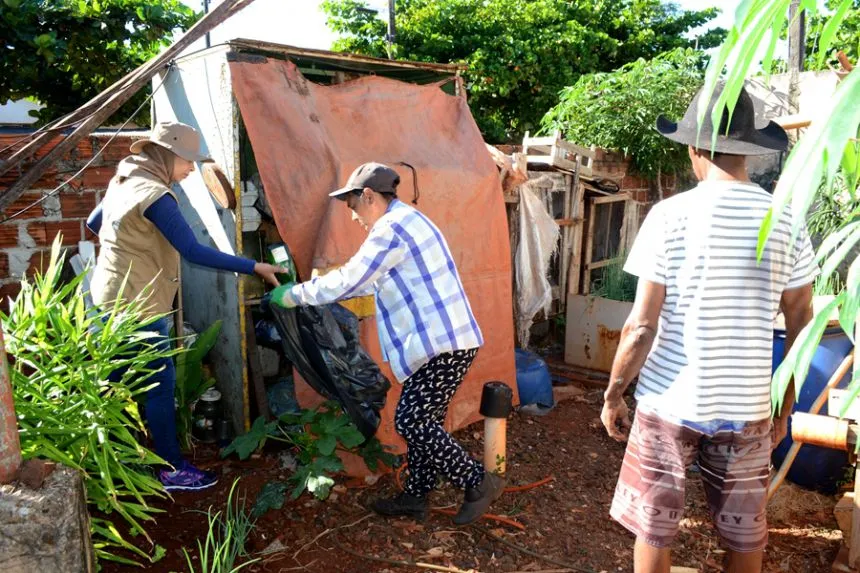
point(828, 146)
point(225, 539)
point(614, 283)
point(617, 110)
point(190, 381)
point(69, 411)
point(271, 496)
point(521, 53)
point(315, 435)
point(846, 37)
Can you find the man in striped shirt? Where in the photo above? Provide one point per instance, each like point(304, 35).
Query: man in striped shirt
point(427, 332)
point(700, 338)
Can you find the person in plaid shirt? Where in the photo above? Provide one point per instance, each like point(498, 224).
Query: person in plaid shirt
point(427, 332)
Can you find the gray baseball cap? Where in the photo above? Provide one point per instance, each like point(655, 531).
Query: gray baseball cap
point(381, 178)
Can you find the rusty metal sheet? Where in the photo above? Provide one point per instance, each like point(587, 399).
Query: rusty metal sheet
point(593, 330)
point(307, 139)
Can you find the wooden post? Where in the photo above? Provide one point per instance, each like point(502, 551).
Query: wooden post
point(10, 445)
point(574, 279)
point(796, 37)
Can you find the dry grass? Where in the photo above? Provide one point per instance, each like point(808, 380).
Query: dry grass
point(792, 504)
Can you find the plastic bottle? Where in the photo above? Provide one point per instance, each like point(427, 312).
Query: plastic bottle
point(279, 255)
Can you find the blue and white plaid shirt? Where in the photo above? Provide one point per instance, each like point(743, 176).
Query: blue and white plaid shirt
point(422, 309)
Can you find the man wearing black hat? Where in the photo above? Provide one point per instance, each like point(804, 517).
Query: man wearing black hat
point(700, 339)
point(427, 332)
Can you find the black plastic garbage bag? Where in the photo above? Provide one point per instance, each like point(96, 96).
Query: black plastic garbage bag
point(322, 343)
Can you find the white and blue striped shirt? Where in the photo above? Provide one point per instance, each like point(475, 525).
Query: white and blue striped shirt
point(711, 359)
point(422, 309)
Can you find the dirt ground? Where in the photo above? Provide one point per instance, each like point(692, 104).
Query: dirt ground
point(566, 522)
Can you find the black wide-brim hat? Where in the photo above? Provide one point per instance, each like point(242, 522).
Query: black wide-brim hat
point(740, 137)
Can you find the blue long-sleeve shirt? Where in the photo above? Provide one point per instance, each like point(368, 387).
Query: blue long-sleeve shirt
point(168, 219)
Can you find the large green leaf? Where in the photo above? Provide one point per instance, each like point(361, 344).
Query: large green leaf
point(248, 443)
point(272, 496)
point(798, 359)
point(848, 311)
point(830, 29)
point(817, 156)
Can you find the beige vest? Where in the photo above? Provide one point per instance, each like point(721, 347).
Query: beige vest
point(132, 245)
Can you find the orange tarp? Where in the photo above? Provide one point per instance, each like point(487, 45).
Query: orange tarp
point(307, 139)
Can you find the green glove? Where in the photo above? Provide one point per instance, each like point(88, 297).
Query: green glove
point(280, 296)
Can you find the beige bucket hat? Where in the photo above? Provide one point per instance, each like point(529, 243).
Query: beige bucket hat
point(181, 139)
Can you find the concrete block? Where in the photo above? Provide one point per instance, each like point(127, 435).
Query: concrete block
point(843, 512)
point(46, 529)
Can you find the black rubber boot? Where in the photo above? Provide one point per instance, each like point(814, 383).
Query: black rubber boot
point(478, 499)
point(402, 504)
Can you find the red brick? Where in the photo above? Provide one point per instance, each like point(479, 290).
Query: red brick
point(7, 291)
point(44, 233)
point(98, 177)
point(633, 182)
point(8, 235)
point(4, 265)
point(24, 201)
point(90, 236)
point(38, 262)
point(117, 149)
point(48, 147)
point(77, 205)
point(85, 148)
point(48, 180)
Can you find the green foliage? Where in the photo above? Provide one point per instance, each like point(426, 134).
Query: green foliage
point(845, 36)
point(827, 148)
point(520, 53)
point(68, 410)
point(64, 52)
point(225, 539)
point(617, 110)
point(327, 429)
point(272, 496)
point(615, 284)
point(190, 383)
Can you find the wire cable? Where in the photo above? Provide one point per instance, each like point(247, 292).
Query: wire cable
point(95, 156)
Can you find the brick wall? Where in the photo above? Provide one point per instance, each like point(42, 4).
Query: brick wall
point(616, 168)
point(25, 240)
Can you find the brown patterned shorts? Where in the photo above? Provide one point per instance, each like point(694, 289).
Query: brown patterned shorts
point(735, 465)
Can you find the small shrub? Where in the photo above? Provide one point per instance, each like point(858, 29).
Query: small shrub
point(68, 411)
point(315, 434)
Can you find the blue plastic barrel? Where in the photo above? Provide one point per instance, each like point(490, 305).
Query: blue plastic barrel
point(533, 381)
point(815, 468)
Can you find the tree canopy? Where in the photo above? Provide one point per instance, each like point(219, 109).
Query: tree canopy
point(64, 52)
point(521, 53)
point(618, 110)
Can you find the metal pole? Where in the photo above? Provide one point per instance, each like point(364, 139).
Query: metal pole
point(206, 11)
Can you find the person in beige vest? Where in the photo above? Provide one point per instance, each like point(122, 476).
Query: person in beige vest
point(143, 235)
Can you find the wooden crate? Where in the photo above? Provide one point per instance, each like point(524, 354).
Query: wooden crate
point(556, 152)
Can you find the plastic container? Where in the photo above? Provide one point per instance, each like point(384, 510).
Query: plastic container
point(815, 467)
point(533, 380)
point(280, 255)
point(207, 412)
